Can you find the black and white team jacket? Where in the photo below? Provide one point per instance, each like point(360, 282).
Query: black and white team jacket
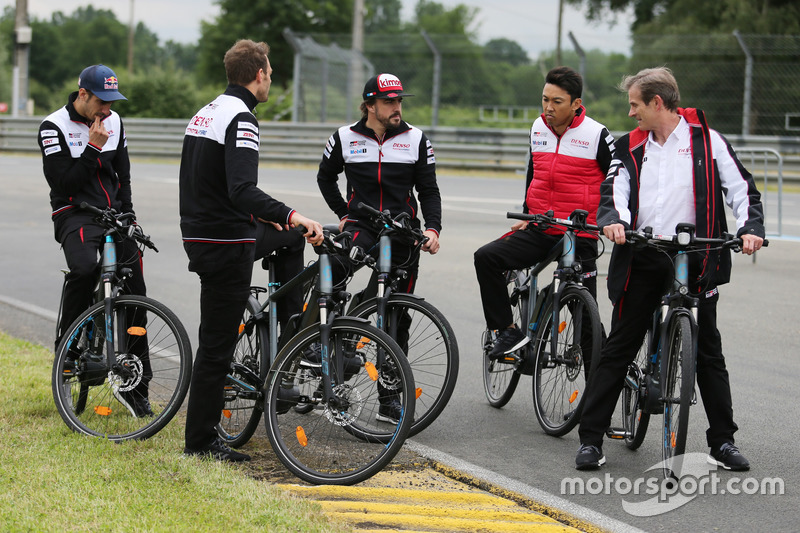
point(219, 197)
point(78, 171)
point(381, 173)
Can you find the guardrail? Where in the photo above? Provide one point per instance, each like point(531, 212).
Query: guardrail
point(484, 149)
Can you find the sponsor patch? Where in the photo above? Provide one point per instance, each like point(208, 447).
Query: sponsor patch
point(247, 144)
point(356, 151)
point(48, 142)
point(49, 133)
point(247, 135)
point(248, 125)
point(52, 150)
point(712, 292)
point(431, 160)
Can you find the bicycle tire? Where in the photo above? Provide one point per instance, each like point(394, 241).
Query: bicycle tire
point(337, 445)
point(430, 347)
point(559, 380)
point(635, 419)
point(244, 399)
point(677, 377)
point(500, 379)
point(156, 362)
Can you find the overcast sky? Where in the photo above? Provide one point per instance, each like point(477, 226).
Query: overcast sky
point(531, 23)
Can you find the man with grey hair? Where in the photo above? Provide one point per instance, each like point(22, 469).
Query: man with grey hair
point(673, 168)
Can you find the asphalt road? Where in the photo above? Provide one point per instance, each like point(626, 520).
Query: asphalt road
point(760, 331)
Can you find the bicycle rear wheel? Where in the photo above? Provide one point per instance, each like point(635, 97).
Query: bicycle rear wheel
point(147, 382)
point(635, 419)
point(500, 379)
point(677, 382)
point(339, 441)
point(561, 371)
point(244, 397)
point(428, 341)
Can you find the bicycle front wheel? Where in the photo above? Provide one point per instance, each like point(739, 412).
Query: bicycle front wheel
point(677, 382)
point(500, 378)
point(142, 389)
point(561, 369)
point(244, 397)
point(428, 341)
point(351, 436)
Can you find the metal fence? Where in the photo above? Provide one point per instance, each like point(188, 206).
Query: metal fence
point(747, 84)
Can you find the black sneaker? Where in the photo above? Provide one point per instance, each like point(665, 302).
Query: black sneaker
point(220, 451)
point(391, 411)
point(135, 402)
point(509, 340)
point(312, 358)
point(729, 457)
point(589, 457)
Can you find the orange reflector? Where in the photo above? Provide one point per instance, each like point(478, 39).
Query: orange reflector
point(241, 328)
point(102, 410)
point(137, 331)
point(418, 393)
point(371, 370)
point(573, 396)
point(562, 327)
point(226, 413)
point(301, 436)
point(672, 439)
point(363, 342)
point(305, 306)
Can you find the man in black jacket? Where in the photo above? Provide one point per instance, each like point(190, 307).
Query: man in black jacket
point(672, 169)
point(85, 159)
point(223, 215)
point(384, 160)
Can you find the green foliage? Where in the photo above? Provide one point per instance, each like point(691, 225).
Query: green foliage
point(159, 93)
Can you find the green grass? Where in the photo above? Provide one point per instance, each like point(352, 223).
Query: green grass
point(52, 479)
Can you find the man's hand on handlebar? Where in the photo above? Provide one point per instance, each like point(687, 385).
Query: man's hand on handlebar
point(313, 232)
point(615, 233)
point(751, 243)
point(432, 244)
point(520, 225)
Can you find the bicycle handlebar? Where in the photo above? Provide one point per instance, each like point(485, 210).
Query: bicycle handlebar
point(399, 225)
point(684, 239)
point(122, 223)
point(577, 220)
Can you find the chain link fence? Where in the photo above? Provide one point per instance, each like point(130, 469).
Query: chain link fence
point(747, 84)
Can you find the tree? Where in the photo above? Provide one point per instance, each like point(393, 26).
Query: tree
point(382, 16)
point(507, 51)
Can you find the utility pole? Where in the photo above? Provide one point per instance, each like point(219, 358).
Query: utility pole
point(558, 38)
point(356, 78)
point(22, 45)
point(130, 42)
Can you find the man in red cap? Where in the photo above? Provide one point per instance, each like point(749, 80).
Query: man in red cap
point(384, 160)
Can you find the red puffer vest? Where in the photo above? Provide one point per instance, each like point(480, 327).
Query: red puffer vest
point(566, 174)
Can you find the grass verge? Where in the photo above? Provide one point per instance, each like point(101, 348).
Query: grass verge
point(54, 480)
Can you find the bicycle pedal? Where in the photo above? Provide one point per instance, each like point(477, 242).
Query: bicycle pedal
point(617, 433)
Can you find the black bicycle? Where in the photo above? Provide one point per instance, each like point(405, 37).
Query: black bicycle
point(421, 330)
point(321, 393)
point(661, 380)
point(123, 367)
point(564, 325)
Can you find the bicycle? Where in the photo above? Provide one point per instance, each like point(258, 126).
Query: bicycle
point(563, 323)
point(321, 392)
point(421, 330)
point(122, 352)
point(661, 379)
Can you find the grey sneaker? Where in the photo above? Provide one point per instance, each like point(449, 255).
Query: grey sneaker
point(589, 457)
point(729, 457)
point(509, 340)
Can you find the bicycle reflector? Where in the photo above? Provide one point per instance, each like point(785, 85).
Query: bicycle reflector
point(418, 393)
point(227, 413)
point(371, 370)
point(137, 331)
point(102, 410)
point(241, 328)
point(561, 327)
point(301, 436)
point(363, 342)
point(573, 396)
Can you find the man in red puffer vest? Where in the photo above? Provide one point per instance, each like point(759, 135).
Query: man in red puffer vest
point(570, 156)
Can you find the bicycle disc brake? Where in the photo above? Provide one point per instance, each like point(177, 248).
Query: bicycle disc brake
point(349, 408)
point(130, 374)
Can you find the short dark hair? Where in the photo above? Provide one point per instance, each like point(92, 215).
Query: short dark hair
point(567, 79)
point(244, 59)
point(655, 81)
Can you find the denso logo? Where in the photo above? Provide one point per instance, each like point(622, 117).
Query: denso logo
point(201, 121)
point(401, 146)
point(580, 142)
